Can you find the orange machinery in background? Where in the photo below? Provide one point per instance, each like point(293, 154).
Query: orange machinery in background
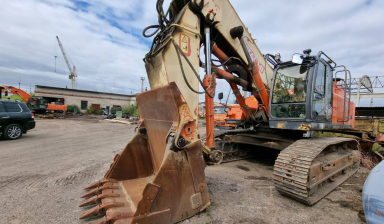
point(56, 107)
point(230, 116)
point(35, 104)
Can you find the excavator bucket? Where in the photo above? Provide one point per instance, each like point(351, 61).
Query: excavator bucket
point(159, 177)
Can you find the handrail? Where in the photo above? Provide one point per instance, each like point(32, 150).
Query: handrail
point(346, 88)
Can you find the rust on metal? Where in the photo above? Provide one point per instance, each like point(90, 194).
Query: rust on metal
point(159, 177)
point(209, 83)
point(305, 127)
point(281, 124)
point(309, 169)
point(372, 127)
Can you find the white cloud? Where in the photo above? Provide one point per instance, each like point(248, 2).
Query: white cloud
point(103, 38)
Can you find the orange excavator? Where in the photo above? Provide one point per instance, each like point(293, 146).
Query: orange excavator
point(231, 116)
point(35, 104)
point(159, 176)
point(226, 112)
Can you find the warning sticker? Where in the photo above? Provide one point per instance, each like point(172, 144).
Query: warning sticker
point(185, 44)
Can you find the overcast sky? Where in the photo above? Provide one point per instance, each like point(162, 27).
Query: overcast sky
point(103, 38)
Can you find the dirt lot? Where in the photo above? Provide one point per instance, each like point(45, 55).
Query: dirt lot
point(43, 173)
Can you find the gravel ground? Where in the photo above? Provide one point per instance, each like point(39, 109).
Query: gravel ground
point(43, 173)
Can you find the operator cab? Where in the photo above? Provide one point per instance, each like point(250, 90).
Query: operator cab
point(302, 94)
point(37, 104)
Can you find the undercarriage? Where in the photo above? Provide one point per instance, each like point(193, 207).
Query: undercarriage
point(306, 169)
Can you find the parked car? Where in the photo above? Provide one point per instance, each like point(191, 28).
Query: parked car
point(15, 119)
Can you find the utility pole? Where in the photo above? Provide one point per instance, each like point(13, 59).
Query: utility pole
point(142, 84)
point(19, 82)
point(55, 62)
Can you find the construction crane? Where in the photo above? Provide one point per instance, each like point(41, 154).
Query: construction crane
point(72, 71)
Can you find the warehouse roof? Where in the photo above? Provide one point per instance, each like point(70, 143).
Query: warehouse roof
point(82, 91)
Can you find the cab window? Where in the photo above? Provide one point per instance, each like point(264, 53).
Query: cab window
point(319, 90)
point(220, 110)
point(290, 85)
point(290, 92)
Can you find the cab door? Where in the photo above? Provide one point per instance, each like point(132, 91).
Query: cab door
point(328, 93)
point(322, 93)
point(3, 118)
point(318, 95)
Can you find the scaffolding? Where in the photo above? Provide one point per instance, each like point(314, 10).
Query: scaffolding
point(362, 88)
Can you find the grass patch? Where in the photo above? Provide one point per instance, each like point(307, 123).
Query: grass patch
point(13, 97)
point(377, 148)
point(207, 212)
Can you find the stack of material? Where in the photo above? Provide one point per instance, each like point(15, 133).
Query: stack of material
point(123, 121)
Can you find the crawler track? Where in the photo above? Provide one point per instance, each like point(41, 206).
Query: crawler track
point(222, 156)
point(309, 169)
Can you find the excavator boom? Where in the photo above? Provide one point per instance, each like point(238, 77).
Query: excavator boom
point(159, 176)
point(15, 91)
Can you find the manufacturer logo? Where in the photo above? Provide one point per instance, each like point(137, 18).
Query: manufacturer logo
point(255, 60)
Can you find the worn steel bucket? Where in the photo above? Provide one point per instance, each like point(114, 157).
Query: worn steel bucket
point(159, 177)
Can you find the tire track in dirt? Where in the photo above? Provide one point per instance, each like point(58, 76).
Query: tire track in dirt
point(22, 182)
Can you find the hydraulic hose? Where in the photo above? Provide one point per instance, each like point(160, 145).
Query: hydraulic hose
point(177, 48)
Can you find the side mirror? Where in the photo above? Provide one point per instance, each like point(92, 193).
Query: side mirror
point(221, 96)
point(297, 59)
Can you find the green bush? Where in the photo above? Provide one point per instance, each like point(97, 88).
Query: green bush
point(90, 110)
point(377, 147)
point(131, 110)
point(71, 108)
point(100, 111)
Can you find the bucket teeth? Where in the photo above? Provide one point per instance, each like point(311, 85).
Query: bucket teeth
point(96, 191)
point(100, 209)
point(95, 199)
point(91, 193)
point(92, 212)
point(99, 183)
point(89, 201)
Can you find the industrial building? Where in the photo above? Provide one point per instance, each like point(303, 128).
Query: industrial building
point(83, 98)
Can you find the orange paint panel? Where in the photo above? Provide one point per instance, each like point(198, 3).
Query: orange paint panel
point(252, 102)
point(57, 107)
point(338, 108)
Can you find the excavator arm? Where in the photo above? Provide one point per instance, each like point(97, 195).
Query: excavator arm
point(159, 176)
point(186, 27)
point(15, 91)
